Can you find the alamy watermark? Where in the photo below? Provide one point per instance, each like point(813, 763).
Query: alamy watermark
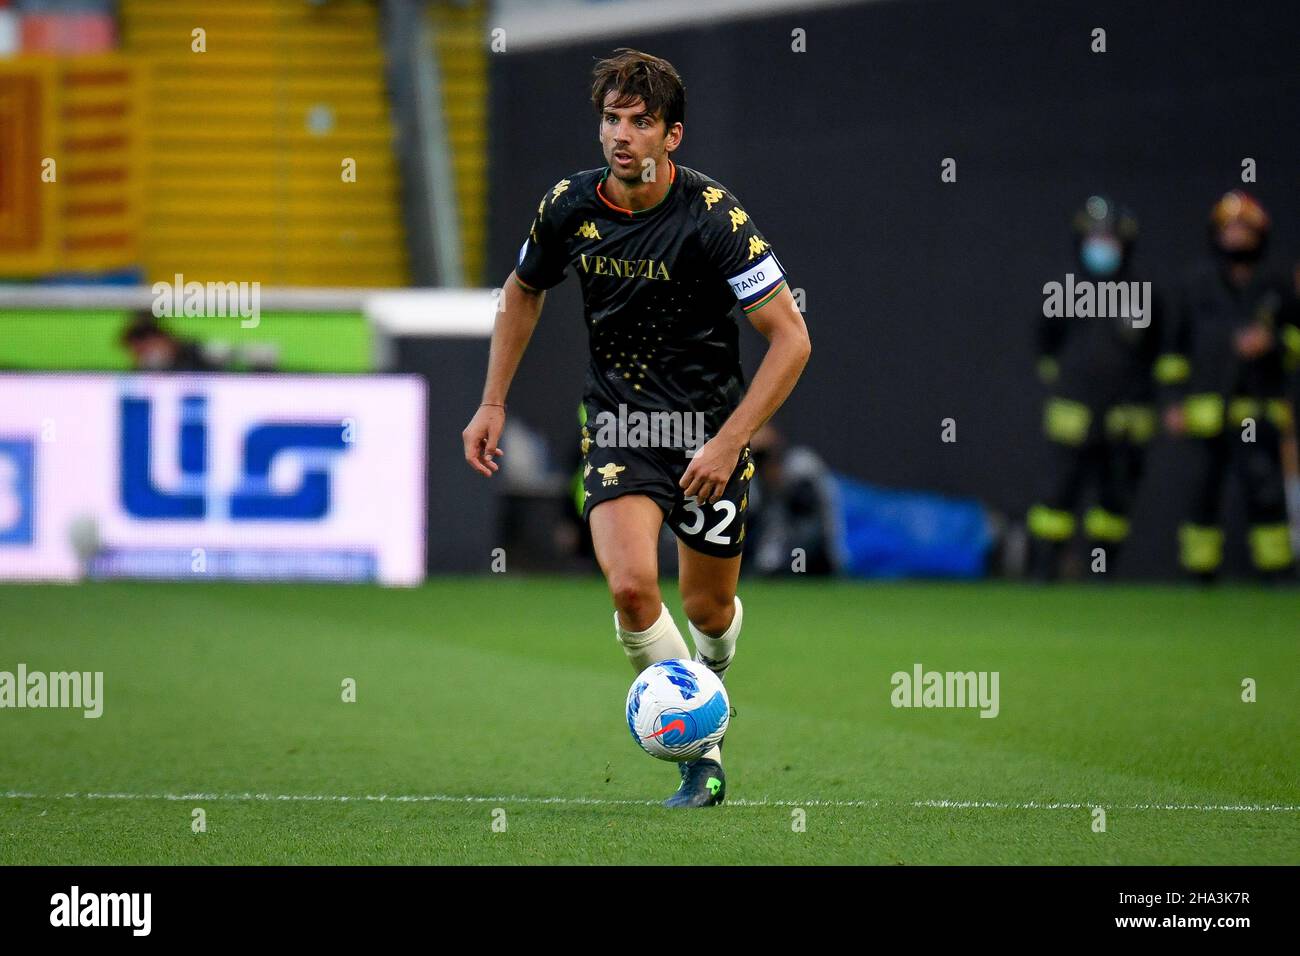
point(638, 429)
point(922, 688)
point(212, 300)
point(1086, 299)
point(78, 690)
point(75, 908)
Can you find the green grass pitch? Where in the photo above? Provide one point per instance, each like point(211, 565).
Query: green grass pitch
point(501, 699)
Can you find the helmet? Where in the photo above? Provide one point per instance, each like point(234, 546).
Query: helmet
point(1240, 206)
point(1104, 215)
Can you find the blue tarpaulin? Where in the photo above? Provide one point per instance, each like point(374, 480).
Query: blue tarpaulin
point(887, 533)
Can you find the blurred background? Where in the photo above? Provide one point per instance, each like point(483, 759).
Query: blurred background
point(250, 253)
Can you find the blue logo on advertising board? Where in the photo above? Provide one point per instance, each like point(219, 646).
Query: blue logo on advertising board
point(314, 444)
point(17, 457)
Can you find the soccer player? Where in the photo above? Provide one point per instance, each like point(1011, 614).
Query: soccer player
point(663, 254)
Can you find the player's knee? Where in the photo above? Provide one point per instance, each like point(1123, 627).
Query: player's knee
point(637, 599)
point(710, 612)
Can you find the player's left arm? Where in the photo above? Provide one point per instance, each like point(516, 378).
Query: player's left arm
point(780, 322)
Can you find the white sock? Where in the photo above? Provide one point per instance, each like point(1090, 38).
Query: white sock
point(716, 653)
point(719, 652)
point(661, 641)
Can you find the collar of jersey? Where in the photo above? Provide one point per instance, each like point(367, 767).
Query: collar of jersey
point(672, 184)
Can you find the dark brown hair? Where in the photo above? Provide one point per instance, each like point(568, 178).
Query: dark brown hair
point(633, 74)
point(142, 325)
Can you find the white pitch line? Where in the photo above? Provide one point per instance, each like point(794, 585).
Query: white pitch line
point(601, 801)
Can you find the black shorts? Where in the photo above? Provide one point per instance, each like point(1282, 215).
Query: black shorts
point(716, 529)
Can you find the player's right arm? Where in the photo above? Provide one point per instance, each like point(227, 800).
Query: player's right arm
point(542, 261)
point(517, 316)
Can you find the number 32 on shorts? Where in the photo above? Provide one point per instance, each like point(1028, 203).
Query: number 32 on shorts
point(723, 511)
point(721, 524)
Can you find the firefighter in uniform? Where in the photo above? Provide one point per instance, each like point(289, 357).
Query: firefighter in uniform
point(1230, 347)
point(1099, 415)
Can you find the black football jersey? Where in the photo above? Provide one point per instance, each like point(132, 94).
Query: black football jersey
point(658, 289)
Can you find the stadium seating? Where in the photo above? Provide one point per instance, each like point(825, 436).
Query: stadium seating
point(244, 143)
